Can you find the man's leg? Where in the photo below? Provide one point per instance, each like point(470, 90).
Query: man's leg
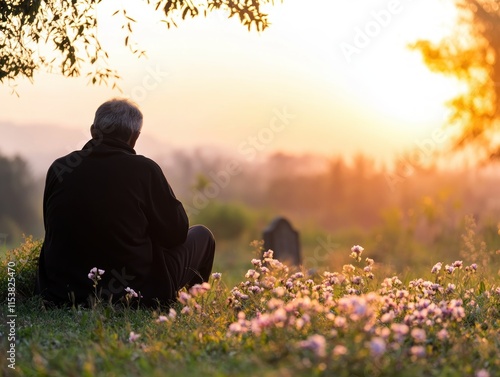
point(191, 263)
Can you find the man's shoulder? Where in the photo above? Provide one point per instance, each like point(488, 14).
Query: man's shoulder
point(144, 161)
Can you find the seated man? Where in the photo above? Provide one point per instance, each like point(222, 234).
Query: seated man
point(105, 206)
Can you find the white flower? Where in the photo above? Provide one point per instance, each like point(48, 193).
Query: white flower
point(131, 292)
point(133, 337)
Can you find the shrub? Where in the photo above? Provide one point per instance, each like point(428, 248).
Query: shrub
point(25, 259)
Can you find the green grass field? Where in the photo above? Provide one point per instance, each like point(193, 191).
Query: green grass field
point(262, 319)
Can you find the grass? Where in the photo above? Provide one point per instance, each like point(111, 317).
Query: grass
point(272, 322)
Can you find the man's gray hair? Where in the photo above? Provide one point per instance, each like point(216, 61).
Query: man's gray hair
point(118, 118)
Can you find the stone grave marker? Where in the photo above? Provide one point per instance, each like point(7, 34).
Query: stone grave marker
point(280, 237)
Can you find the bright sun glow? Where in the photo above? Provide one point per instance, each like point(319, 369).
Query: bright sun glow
point(342, 67)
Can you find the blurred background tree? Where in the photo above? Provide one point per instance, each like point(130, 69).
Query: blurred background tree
point(19, 212)
point(472, 55)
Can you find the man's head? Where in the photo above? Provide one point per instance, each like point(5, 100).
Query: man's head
point(118, 118)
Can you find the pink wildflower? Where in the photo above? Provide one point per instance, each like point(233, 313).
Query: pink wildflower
point(436, 268)
point(457, 264)
point(256, 262)
point(252, 274)
point(315, 343)
point(172, 313)
point(387, 317)
point(482, 373)
point(162, 318)
point(418, 335)
point(449, 269)
point(339, 350)
point(216, 275)
point(297, 275)
point(255, 289)
point(418, 351)
point(131, 293)
point(450, 288)
point(268, 254)
point(184, 297)
point(279, 291)
point(264, 270)
point(95, 274)
point(357, 249)
point(199, 289)
point(356, 280)
point(377, 346)
point(133, 337)
point(442, 334)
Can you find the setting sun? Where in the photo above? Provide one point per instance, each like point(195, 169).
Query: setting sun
point(212, 82)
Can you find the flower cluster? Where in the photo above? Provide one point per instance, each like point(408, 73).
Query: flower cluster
point(356, 252)
point(131, 295)
point(95, 275)
point(396, 314)
point(335, 315)
point(172, 314)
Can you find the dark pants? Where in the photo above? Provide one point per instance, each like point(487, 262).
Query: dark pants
point(180, 266)
point(191, 263)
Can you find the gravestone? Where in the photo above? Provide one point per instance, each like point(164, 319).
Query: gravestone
point(281, 238)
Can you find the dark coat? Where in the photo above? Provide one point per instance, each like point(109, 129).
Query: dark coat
point(107, 207)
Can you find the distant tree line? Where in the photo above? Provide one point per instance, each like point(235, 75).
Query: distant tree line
point(338, 193)
point(19, 208)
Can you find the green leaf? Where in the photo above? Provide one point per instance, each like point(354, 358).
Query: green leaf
point(482, 287)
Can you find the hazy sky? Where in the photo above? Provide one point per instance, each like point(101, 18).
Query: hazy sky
point(328, 76)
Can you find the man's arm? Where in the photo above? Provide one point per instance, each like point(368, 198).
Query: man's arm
point(168, 220)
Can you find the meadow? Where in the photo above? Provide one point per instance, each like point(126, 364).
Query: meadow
point(348, 314)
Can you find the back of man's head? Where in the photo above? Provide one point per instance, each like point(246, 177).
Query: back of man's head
point(118, 118)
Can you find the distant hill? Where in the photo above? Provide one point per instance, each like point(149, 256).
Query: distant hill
point(40, 145)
